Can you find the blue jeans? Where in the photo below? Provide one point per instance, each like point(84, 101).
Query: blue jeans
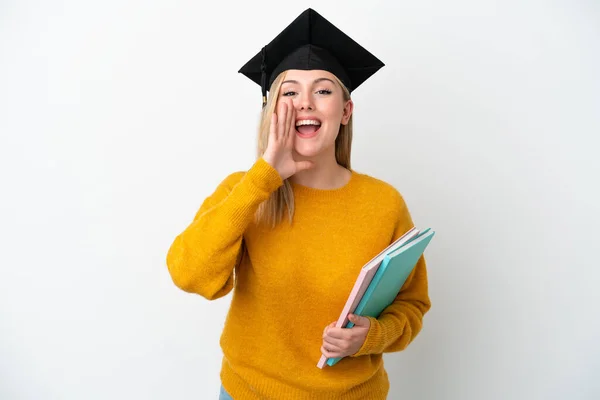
point(223, 395)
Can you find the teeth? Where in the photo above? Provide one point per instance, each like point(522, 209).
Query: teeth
point(308, 122)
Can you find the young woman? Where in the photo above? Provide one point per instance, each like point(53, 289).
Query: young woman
point(290, 234)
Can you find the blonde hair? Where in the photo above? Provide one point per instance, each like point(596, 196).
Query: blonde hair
point(271, 211)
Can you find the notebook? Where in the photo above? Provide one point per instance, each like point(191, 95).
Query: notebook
point(364, 279)
point(389, 278)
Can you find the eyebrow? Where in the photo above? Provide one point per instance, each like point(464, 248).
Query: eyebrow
point(315, 81)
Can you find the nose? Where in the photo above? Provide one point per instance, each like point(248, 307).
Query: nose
point(305, 102)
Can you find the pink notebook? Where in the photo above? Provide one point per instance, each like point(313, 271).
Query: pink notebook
point(364, 279)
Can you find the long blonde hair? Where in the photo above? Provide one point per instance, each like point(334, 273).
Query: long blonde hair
point(271, 211)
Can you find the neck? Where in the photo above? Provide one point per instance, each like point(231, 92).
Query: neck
point(325, 174)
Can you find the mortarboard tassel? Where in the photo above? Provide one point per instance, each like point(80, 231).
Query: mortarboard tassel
point(263, 77)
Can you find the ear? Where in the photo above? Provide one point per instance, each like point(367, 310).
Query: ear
point(348, 108)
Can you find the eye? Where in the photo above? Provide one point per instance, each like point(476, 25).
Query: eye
point(324, 91)
point(289, 93)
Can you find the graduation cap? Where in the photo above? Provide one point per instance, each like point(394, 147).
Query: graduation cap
point(311, 42)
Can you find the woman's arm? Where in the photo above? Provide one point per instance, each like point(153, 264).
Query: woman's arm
point(402, 320)
point(202, 258)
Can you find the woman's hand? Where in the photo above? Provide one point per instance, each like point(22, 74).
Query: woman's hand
point(280, 146)
point(342, 342)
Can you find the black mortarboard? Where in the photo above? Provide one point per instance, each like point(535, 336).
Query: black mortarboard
point(312, 42)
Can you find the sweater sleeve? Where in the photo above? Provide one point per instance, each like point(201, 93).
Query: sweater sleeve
point(202, 258)
point(401, 321)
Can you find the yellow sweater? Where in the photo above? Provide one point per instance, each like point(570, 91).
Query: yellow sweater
point(294, 280)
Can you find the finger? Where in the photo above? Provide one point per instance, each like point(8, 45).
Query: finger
point(273, 127)
point(331, 325)
point(302, 165)
point(288, 119)
point(282, 118)
point(329, 354)
point(332, 343)
point(359, 321)
point(291, 123)
point(338, 333)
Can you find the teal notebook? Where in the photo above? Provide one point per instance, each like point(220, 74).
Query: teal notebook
point(389, 279)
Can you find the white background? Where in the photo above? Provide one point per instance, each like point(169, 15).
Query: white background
point(118, 118)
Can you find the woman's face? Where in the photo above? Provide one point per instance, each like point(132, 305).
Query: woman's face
point(320, 109)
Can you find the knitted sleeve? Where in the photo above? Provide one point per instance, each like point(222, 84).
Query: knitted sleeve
point(202, 258)
point(402, 320)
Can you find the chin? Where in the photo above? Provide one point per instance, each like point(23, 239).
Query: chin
point(307, 151)
point(315, 146)
point(314, 149)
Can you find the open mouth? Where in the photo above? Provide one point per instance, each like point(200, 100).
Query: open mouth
point(307, 127)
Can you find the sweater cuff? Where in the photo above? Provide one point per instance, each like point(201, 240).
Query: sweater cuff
point(264, 177)
point(256, 186)
point(374, 340)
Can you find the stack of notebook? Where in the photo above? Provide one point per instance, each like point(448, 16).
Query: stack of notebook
point(381, 279)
